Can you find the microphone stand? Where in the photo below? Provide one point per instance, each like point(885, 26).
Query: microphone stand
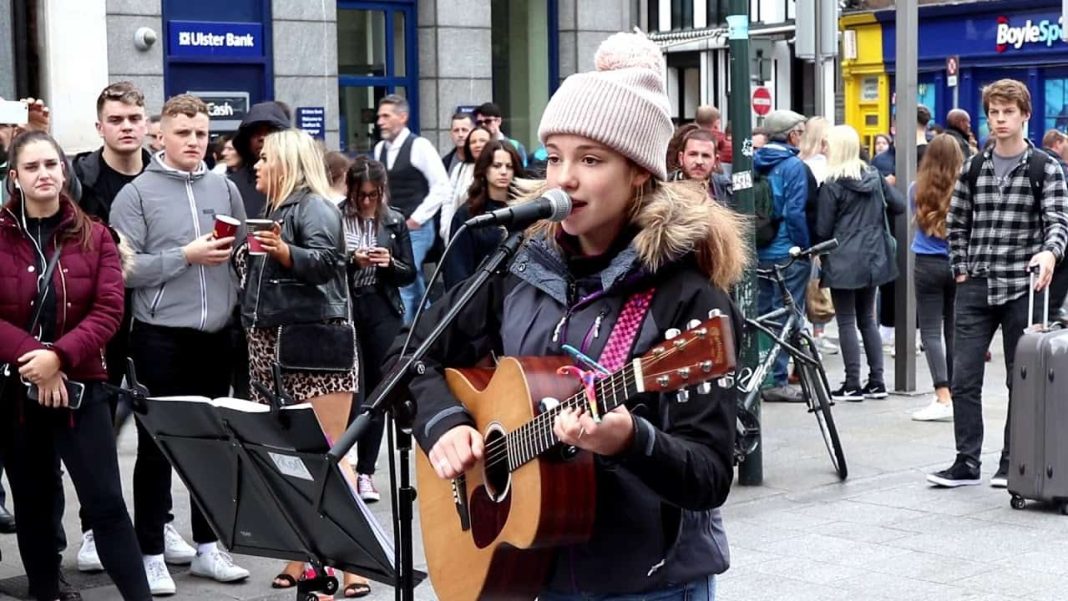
point(392, 396)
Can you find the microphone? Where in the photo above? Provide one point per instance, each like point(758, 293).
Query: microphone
point(554, 205)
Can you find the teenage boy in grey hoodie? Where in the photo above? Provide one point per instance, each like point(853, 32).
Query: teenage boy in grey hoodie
point(184, 295)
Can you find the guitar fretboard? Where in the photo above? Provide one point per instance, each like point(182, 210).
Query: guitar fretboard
point(536, 436)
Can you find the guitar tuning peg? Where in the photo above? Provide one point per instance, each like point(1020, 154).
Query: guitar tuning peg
point(672, 333)
point(714, 313)
point(704, 388)
point(693, 324)
point(682, 396)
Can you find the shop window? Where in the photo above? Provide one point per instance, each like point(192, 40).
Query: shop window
point(1056, 116)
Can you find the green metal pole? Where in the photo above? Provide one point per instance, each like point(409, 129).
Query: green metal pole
point(751, 471)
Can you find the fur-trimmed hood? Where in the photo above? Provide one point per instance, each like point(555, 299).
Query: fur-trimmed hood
point(673, 220)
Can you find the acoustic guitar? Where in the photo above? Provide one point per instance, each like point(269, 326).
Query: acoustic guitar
point(491, 533)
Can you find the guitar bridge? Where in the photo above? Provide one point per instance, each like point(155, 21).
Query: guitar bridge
point(459, 497)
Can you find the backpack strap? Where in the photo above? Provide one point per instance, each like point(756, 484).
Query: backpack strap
point(1036, 172)
point(975, 168)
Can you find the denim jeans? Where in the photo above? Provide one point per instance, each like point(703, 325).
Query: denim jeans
point(770, 298)
point(853, 310)
point(936, 291)
point(422, 241)
point(976, 323)
point(702, 589)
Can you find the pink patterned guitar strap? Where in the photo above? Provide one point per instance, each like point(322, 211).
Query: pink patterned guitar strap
point(621, 340)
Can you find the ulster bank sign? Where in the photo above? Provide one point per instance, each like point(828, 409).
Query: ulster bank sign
point(200, 39)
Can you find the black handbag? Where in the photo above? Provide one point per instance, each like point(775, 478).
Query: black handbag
point(7, 373)
point(316, 346)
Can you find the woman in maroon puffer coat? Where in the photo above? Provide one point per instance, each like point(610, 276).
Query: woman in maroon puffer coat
point(81, 310)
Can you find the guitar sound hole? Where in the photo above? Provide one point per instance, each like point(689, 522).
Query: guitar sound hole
point(497, 476)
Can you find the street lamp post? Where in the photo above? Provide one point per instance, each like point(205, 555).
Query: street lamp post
point(751, 471)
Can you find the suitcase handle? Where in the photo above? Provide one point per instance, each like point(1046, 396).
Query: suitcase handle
point(1032, 272)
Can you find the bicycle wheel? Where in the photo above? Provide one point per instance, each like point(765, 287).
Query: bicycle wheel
point(818, 396)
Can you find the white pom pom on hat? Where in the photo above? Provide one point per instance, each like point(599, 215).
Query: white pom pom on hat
point(623, 105)
point(627, 50)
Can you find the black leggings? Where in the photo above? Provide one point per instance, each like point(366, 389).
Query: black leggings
point(85, 441)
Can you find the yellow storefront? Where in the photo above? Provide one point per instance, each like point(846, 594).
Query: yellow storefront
point(865, 81)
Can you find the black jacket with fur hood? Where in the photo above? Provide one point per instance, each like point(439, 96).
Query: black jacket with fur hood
point(657, 522)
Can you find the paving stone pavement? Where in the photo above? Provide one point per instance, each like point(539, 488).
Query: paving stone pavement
point(883, 534)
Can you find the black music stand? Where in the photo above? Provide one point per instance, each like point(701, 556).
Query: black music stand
point(263, 479)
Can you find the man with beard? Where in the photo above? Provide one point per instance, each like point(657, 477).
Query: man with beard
point(697, 161)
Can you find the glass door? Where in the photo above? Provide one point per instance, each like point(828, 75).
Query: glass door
point(376, 56)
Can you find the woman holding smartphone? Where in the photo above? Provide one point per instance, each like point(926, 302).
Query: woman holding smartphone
point(296, 304)
point(53, 402)
point(381, 263)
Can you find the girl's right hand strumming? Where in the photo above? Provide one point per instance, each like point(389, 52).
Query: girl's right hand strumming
point(456, 452)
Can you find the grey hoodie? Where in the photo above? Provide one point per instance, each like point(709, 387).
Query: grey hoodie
point(158, 213)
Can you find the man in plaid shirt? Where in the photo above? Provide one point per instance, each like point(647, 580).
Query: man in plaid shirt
point(997, 232)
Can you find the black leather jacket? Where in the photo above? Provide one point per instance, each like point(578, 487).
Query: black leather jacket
point(315, 288)
point(392, 234)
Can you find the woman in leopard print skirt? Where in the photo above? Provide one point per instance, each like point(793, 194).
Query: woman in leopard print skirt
point(299, 282)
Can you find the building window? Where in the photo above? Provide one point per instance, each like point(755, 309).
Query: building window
point(653, 15)
point(521, 77)
point(682, 14)
point(716, 11)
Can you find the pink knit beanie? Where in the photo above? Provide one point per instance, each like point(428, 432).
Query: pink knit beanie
point(622, 104)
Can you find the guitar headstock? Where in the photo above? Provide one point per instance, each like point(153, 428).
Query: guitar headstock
point(705, 351)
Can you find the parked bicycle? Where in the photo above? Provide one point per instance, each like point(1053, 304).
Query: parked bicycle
point(788, 336)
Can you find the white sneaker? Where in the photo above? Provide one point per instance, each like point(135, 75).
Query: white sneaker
point(175, 549)
point(365, 485)
point(826, 346)
point(159, 578)
point(935, 412)
point(217, 565)
point(88, 560)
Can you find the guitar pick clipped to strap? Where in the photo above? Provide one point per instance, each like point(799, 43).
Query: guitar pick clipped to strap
point(616, 350)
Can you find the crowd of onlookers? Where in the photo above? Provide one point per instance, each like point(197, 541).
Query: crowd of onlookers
point(274, 247)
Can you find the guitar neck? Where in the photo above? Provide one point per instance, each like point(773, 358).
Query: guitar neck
point(536, 436)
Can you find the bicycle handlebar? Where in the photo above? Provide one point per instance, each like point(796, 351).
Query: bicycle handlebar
point(796, 254)
point(815, 251)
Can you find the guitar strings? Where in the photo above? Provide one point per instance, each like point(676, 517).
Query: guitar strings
point(529, 434)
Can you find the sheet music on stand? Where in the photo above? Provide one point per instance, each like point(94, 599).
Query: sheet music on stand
point(258, 475)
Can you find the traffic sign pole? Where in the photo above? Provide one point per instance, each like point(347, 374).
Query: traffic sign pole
point(751, 470)
point(952, 72)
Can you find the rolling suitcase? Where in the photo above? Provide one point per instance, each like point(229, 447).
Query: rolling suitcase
point(1038, 447)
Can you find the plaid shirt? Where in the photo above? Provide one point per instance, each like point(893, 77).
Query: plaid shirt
point(994, 233)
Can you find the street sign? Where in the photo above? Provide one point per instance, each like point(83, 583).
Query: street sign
point(312, 119)
point(761, 101)
point(226, 109)
point(952, 69)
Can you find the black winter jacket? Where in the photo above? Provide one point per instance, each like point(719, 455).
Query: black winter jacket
point(393, 234)
point(315, 289)
point(83, 187)
point(856, 212)
point(656, 518)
